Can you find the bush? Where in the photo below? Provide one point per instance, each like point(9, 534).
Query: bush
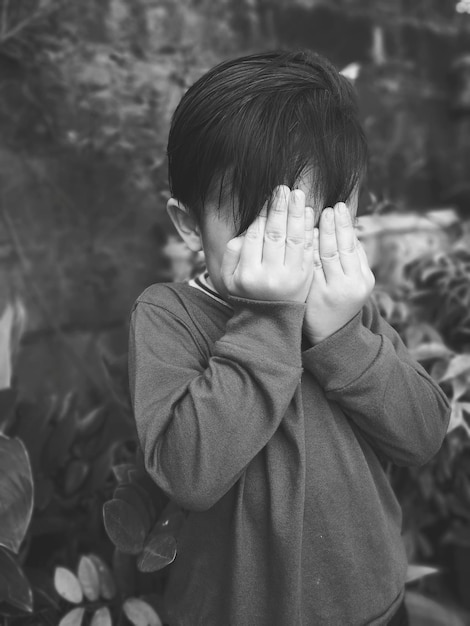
point(58, 466)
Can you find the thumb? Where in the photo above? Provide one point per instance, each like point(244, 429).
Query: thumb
point(231, 259)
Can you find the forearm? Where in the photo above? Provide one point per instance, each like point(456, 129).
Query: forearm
point(201, 424)
point(392, 399)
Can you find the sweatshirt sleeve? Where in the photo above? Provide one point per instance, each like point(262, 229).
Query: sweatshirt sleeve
point(366, 369)
point(201, 422)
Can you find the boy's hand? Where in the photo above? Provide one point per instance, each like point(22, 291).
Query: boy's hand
point(342, 281)
point(274, 259)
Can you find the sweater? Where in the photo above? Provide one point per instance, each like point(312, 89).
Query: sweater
point(277, 451)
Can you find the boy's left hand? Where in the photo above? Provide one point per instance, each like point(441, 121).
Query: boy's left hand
point(342, 281)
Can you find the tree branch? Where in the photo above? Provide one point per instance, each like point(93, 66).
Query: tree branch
point(36, 16)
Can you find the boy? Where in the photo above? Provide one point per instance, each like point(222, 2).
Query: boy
point(268, 392)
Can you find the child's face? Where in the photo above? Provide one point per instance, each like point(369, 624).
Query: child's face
point(216, 232)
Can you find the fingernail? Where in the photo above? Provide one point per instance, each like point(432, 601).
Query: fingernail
point(342, 208)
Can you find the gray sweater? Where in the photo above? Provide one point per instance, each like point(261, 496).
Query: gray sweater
point(277, 450)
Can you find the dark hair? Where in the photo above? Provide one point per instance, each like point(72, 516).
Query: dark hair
point(255, 122)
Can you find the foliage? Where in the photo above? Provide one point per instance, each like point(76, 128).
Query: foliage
point(441, 289)
point(430, 311)
point(56, 467)
point(140, 520)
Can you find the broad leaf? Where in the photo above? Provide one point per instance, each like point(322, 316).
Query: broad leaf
point(159, 551)
point(101, 617)
point(124, 526)
point(14, 587)
point(136, 499)
point(457, 366)
point(16, 493)
point(75, 474)
point(67, 585)
point(121, 472)
point(106, 580)
point(90, 423)
point(73, 617)
point(431, 350)
point(460, 386)
point(89, 578)
point(457, 417)
point(140, 613)
point(415, 572)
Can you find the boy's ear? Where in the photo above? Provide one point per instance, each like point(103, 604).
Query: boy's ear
point(185, 224)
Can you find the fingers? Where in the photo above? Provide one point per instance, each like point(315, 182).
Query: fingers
point(319, 276)
point(276, 227)
point(329, 255)
point(231, 258)
point(308, 259)
point(346, 240)
point(338, 251)
point(296, 229)
point(252, 250)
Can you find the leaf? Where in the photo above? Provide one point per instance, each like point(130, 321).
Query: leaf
point(91, 422)
point(158, 552)
point(130, 494)
point(44, 594)
point(140, 613)
point(428, 351)
point(457, 418)
point(106, 580)
point(14, 587)
point(16, 493)
point(415, 572)
point(73, 617)
point(121, 472)
point(77, 471)
point(101, 617)
point(460, 364)
point(460, 386)
point(154, 498)
point(67, 585)
point(124, 526)
point(89, 578)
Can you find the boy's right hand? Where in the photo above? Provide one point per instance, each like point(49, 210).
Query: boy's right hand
point(273, 260)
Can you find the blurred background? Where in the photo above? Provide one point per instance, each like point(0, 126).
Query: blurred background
point(87, 91)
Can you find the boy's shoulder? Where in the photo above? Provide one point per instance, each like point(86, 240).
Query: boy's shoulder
point(179, 298)
point(160, 293)
point(175, 297)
